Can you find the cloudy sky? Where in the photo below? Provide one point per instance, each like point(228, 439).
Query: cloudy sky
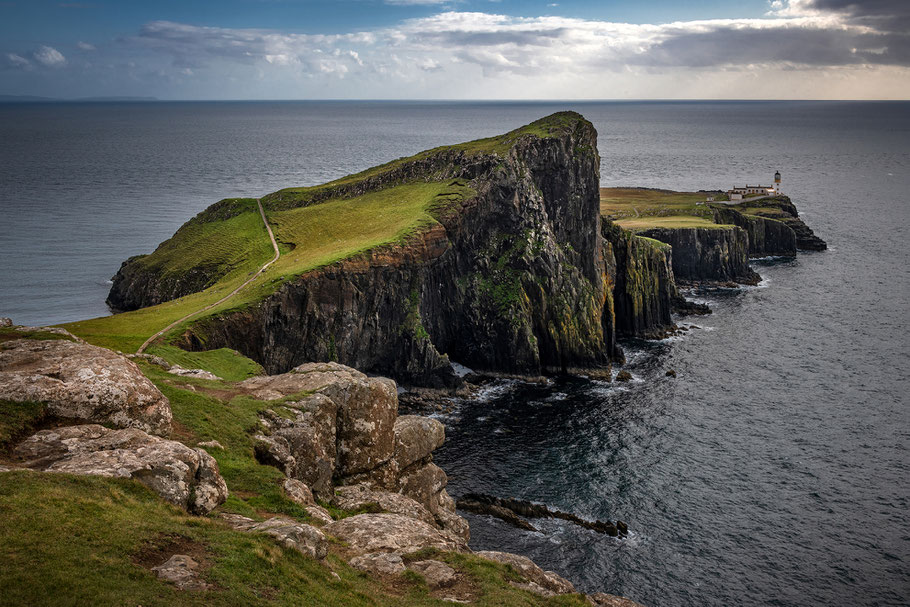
point(457, 49)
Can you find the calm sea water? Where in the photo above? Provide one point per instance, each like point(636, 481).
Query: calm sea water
point(774, 470)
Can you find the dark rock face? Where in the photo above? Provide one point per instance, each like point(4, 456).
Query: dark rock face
point(782, 209)
point(708, 255)
point(136, 286)
point(511, 282)
point(644, 288)
point(767, 237)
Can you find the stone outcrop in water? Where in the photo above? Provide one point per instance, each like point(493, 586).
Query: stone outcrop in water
point(767, 237)
point(708, 255)
point(782, 209)
point(513, 510)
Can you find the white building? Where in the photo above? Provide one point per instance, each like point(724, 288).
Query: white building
point(737, 193)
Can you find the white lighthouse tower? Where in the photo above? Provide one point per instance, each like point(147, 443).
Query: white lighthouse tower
point(777, 183)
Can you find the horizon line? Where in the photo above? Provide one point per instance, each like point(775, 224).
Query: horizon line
point(8, 98)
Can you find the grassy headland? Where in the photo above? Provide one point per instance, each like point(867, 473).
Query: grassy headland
point(309, 237)
point(639, 209)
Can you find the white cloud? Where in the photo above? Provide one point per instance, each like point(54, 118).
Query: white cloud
point(85, 46)
point(17, 61)
point(803, 45)
point(48, 56)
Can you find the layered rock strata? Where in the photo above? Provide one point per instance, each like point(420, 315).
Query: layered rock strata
point(708, 255)
point(767, 237)
point(509, 280)
point(332, 425)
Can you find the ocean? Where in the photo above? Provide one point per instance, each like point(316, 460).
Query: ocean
point(773, 470)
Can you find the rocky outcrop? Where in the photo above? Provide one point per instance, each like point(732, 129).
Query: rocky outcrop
point(708, 255)
point(182, 571)
point(303, 538)
point(509, 280)
point(365, 533)
point(82, 382)
point(342, 425)
point(601, 599)
point(767, 237)
point(188, 478)
point(644, 288)
point(435, 573)
point(334, 426)
point(781, 208)
point(512, 510)
point(382, 563)
point(546, 583)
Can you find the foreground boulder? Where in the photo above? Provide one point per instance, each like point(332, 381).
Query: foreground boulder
point(343, 424)
point(79, 381)
point(366, 533)
point(185, 477)
point(334, 426)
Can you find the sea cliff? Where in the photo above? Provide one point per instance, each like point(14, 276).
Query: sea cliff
point(507, 265)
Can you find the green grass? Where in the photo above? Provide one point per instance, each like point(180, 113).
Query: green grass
point(239, 243)
point(625, 203)
point(671, 221)
point(10, 334)
point(310, 237)
point(639, 209)
point(225, 363)
point(18, 420)
point(547, 127)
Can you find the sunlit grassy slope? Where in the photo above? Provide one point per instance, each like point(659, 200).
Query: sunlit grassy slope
point(313, 230)
point(640, 209)
point(547, 127)
point(309, 237)
point(237, 244)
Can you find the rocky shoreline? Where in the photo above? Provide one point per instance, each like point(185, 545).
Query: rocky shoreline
point(523, 278)
point(332, 431)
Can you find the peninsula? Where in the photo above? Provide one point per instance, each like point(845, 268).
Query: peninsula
point(232, 435)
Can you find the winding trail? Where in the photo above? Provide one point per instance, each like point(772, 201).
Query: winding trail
point(157, 335)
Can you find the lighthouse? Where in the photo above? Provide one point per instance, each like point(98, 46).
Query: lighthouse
point(777, 182)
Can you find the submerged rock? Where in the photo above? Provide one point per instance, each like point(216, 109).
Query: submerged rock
point(83, 382)
point(188, 478)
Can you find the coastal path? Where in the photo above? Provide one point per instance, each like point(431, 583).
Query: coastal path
point(157, 335)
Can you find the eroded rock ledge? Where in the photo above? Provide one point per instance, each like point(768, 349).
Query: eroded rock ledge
point(334, 426)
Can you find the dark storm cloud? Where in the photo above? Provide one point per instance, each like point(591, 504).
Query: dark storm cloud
point(882, 15)
point(796, 46)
